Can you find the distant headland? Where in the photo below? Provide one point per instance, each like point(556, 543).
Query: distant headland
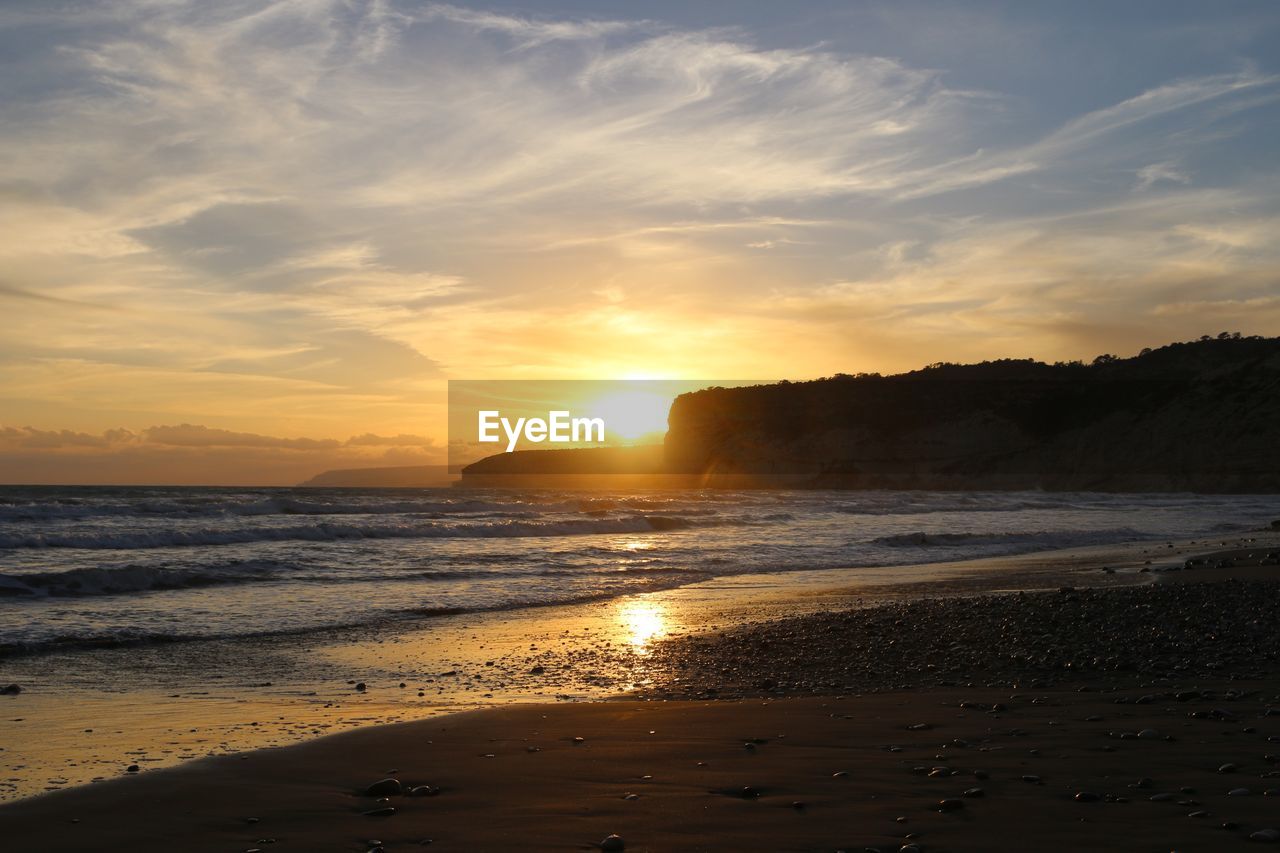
point(400, 477)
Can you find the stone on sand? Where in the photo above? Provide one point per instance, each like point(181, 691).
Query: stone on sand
point(384, 788)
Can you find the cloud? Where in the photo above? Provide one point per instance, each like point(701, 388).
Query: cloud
point(190, 435)
point(402, 440)
point(196, 453)
point(528, 32)
point(299, 217)
point(1156, 172)
point(38, 439)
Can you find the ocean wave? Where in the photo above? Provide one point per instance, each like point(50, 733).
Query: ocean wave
point(1045, 539)
point(55, 511)
point(65, 511)
point(330, 532)
point(117, 580)
point(120, 637)
point(123, 580)
point(637, 571)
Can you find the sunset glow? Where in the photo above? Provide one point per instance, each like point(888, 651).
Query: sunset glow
point(245, 242)
point(633, 415)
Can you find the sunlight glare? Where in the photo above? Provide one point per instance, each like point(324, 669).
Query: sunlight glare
point(632, 414)
point(642, 622)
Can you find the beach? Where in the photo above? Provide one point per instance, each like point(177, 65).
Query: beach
point(494, 425)
point(800, 711)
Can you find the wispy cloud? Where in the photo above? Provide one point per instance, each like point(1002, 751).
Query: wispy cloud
point(1156, 172)
point(311, 211)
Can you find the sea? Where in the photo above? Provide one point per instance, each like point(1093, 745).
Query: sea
point(87, 567)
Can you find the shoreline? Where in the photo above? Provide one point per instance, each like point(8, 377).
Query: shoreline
point(596, 655)
point(165, 705)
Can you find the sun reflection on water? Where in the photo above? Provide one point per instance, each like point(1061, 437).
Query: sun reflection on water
point(642, 622)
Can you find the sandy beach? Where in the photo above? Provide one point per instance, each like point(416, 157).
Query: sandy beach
point(1125, 715)
point(942, 769)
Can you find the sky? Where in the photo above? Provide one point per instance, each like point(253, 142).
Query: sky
point(243, 242)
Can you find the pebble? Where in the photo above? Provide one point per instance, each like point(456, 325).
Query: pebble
point(1268, 836)
point(384, 788)
point(613, 843)
point(360, 687)
point(1238, 792)
point(10, 690)
point(385, 811)
point(1087, 797)
point(974, 792)
point(132, 768)
point(1228, 768)
point(423, 791)
point(950, 805)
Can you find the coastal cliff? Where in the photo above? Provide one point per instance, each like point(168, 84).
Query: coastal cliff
point(1201, 416)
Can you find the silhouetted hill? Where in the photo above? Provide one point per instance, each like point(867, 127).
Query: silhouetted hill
point(1201, 416)
point(409, 476)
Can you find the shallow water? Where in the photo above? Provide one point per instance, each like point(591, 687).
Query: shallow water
point(85, 567)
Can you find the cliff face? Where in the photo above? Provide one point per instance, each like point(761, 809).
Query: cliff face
point(1202, 416)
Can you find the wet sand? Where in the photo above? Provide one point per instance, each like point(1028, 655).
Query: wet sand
point(1050, 770)
point(719, 639)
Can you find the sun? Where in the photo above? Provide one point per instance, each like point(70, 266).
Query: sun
point(631, 415)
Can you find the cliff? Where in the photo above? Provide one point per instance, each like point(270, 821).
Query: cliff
point(1201, 416)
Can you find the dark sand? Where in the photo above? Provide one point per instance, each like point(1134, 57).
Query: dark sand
point(862, 776)
point(868, 718)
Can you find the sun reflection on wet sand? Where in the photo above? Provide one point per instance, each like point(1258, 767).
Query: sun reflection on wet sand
point(642, 623)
